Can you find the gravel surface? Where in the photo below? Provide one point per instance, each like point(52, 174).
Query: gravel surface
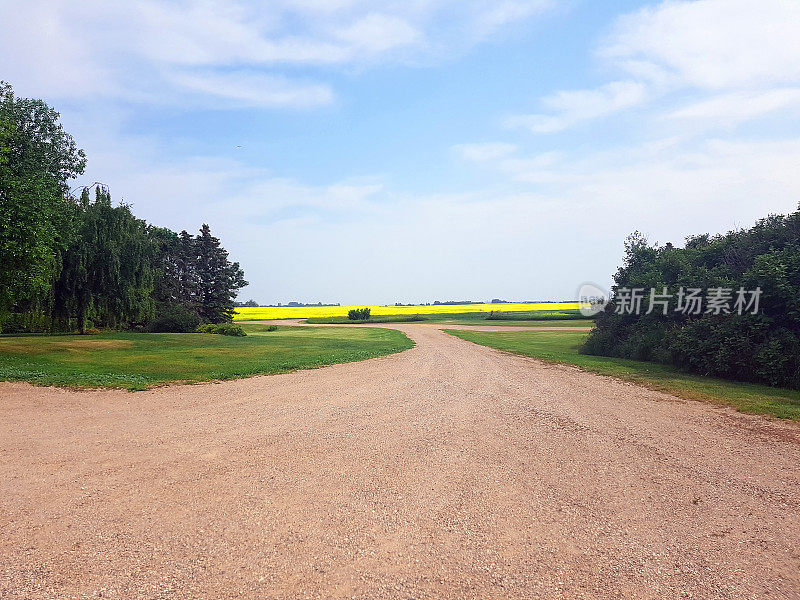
point(447, 471)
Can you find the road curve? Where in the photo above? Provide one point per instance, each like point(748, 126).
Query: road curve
point(449, 470)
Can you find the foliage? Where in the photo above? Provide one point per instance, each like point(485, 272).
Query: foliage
point(194, 271)
point(174, 264)
point(81, 261)
point(564, 348)
point(37, 158)
point(249, 304)
point(174, 318)
point(106, 272)
point(762, 347)
point(358, 314)
point(222, 329)
point(219, 279)
point(272, 328)
point(31, 321)
point(139, 360)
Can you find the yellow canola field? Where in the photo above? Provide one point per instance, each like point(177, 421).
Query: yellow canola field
point(247, 313)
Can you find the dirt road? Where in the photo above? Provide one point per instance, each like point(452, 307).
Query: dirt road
point(447, 471)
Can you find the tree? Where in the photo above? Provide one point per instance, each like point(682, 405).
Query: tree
point(107, 268)
point(219, 280)
point(175, 268)
point(761, 346)
point(37, 158)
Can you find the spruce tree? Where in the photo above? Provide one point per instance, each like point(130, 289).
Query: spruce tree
point(219, 280)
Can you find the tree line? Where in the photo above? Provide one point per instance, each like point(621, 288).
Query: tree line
point(756, 340)
point(69, 263)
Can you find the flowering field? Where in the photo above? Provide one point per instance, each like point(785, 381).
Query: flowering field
point(246, 313)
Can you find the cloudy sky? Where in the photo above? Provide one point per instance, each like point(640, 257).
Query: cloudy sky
point(378, 151)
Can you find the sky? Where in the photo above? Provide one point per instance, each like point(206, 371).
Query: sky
point(373, 152)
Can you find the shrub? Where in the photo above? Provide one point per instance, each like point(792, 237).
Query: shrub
point(222, 329)
point(174, 319)
point(359, 314)
point(762, 348)
point(272, 328)
point(25, 322)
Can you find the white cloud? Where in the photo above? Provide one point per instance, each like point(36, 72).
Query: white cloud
point(746, 52)
point(141, 49)
point(484, 240)
point(254, 89)
point(711, 44)
point(741, 106)
point(567, 108)
point(580, 201)
point(379, 33)
point(488, 17)
point(485, 151)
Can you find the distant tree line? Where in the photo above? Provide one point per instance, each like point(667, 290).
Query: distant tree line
point(249, 304)
point(69, 263)
point(762, 347)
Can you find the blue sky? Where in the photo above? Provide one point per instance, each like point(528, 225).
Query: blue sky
point(374, 152)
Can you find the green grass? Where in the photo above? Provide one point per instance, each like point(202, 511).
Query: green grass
point(565, 318)
point(524, 323)
point(137, 361)
point(562, 347)
point(378, 319)
point(562, 318)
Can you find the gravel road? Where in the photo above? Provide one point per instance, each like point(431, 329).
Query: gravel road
point(447, 471)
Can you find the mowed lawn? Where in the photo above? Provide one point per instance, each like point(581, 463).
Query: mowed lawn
point(562, 347)
point(139, 360)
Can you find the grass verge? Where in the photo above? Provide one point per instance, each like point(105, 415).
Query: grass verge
point(378, 319)
point(564, 318)
point(562, 347)
point(137, 361)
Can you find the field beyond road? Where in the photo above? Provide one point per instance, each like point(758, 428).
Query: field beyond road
point(450, 470)
point(257, 313)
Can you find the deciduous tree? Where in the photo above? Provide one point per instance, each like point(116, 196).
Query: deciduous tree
point(37, 159)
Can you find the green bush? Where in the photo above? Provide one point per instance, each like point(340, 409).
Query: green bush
point(222, 329)
point(173, 319)
point(25, 322)
point(272, 328)
point(762, 348)
point(358, 314)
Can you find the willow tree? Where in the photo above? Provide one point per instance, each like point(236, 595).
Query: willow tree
point(107, 272)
